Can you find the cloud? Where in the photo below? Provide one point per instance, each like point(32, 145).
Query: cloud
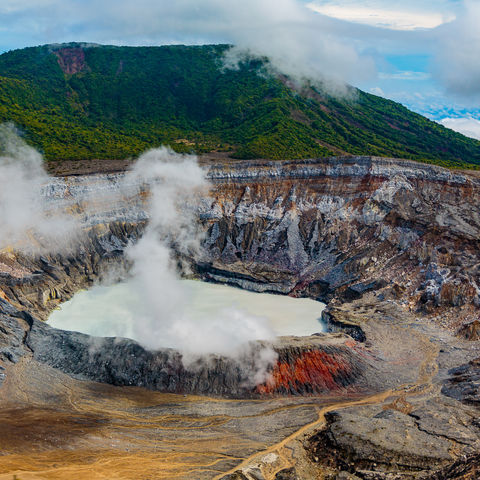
point(299, 42)
point(377, 91)
point(457, 63)
point(13, 6)
point(404, 75)
point(28, 223)
point(470, 127)
point(383, 14)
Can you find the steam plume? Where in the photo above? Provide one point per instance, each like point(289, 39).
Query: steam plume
point(176, 184)
point(27, 222)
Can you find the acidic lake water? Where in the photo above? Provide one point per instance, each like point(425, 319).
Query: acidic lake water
point(114, 310)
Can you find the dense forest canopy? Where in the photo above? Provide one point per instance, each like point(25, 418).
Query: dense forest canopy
point(79, 101)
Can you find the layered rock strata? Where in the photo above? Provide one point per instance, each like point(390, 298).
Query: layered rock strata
point(331, 228)
point(338, 228)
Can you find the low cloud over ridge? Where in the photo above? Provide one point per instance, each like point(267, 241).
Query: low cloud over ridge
point(299, 42)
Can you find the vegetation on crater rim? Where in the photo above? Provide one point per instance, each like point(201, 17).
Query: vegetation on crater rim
point(78, 101)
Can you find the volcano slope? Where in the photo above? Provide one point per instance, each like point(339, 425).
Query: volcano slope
point(391, 245)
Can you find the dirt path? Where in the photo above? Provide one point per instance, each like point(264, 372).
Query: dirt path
point(54, 427)
point(283, 450)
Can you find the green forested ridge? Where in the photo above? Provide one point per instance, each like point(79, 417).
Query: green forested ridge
point(79, 102)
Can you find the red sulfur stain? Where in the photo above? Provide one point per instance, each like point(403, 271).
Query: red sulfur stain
point(315, 370)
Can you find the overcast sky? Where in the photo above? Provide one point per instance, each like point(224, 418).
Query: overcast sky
point(423, 53)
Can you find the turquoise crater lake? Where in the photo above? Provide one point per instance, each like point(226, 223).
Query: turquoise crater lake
point(112, 311)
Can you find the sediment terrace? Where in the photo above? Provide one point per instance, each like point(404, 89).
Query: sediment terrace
point(393, 246)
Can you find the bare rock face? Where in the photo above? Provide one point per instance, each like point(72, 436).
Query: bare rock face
point(382, 441)
point(286, 474)
point(39, 283)
point(12, 335)
point(465, 468)
point(470, 331)
point(71, 60)
point(342, 227)
point(405, 440)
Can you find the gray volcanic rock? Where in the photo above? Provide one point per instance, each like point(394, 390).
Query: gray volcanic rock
point(39, 283)
point(120, 361)
point(411, 438)
point(336, 322)
point(342, 227)
point(464, 383)
point(465, 468)
point(13, 327)
point(11, 339)
point(286, 474)
point(382, 441)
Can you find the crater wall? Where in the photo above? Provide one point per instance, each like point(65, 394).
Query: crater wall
point(331, 229)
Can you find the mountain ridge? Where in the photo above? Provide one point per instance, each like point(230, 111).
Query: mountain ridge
point(88, 101)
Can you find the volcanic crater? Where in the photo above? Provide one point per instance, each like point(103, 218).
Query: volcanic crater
point(392, 248)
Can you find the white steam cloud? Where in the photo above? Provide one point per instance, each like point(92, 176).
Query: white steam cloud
point(458, 47)
point(299, 42)
point(176, 184)
point(27, 223)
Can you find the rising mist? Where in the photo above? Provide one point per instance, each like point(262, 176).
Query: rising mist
point(174, 185)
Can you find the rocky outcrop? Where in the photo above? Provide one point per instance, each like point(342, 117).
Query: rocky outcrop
point(405, 439)
point(38, 284)
point(465, 468)
point(12, 336)
point(463, 383)
point(312, 365)
point(344, 226)
point(337, 321)
point(470, 331)
point(108, 214)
